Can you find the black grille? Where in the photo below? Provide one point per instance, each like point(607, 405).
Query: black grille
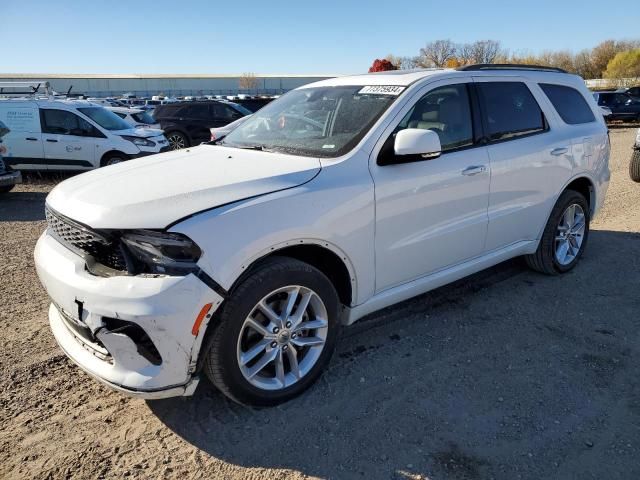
point(85, 241)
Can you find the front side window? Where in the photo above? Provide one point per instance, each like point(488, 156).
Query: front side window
point(63, 122)
point(224, 112)
point(445, 110)
point(569, 103)
point(318, 121)
point(143, 117)
point(510, 110)
point(105, 118)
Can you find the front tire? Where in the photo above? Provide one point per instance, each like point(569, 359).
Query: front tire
point(634, 166)
point(177, 140)
point(275, 335)
point(113, 159)
point(565, 236)
point(7, 188)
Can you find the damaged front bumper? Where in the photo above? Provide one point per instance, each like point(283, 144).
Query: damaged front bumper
point(133, 333)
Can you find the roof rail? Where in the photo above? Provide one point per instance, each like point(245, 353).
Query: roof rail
point(509, 66)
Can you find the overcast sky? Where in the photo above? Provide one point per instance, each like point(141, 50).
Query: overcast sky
point(279, 37)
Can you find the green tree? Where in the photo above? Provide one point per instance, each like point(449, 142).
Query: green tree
point(624, 65)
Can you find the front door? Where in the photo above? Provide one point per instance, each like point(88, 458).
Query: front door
point(69, 141)
point(431, 213)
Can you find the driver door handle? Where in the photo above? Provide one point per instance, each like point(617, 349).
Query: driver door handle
point(474, 170)
point(51, 140)
point(559, 151)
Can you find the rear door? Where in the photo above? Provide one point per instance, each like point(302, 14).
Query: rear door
point(69, 140)
point(527, 157)
point(24, 141)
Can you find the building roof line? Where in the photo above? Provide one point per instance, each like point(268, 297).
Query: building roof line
point(154, 76)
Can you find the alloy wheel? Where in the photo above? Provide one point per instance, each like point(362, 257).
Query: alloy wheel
point(570, 234)
point(176, 141)
point(282, 338)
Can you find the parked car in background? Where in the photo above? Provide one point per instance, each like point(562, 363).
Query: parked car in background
point(8, 176)
point(241, 260)
point(634, 166)
point(253, 103)
point(606, 112)
point(633, 91)
point(221, 132)
point(135, 117)
point(72, 135)
point(622, 105)
point(187, 123)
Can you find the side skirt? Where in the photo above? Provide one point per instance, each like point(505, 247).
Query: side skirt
point(437, 279)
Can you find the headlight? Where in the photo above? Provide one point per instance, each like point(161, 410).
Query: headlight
point(139, 141)
point(638, 138)
point(164, 253)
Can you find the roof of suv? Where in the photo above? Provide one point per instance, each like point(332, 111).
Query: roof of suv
point(408, 77)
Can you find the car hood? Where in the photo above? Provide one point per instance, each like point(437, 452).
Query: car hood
point(155, 191)
point(143, 132)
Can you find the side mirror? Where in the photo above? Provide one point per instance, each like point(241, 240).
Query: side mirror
point(416, 141)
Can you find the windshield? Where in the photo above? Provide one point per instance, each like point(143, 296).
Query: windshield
point(143, 117)
point(319, 122)
point(241, 109)
point(105, 118)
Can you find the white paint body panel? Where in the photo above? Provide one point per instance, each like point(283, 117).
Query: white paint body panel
point(400, 230)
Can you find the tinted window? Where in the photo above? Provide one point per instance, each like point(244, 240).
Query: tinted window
point(62, 122)
point(569, 103)
point(510, 110)
point(446, 111)
point(221, 111)
point(194, 111)
point(605, 98)
point(621, 99)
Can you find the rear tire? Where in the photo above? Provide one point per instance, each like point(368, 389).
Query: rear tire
point(7, 188)
point(634, 166)
point(177, 140)
point(260, 355)
point(549, 258)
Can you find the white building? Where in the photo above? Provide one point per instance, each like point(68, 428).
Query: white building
point(101, 85)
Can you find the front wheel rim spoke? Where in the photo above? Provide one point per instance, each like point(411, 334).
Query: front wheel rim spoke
point(291, 301)
point(268, 312)
point(253, 352)
point(562, 251)
point(301, 309)
point(293, 361)
point(313, 324)
point(307, 341)
point(261, 329)
point(265, 360)
point(280, 368)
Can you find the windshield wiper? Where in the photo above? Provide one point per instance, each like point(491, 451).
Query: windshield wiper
point(258, 147)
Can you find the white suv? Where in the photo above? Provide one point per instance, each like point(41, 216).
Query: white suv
point(242, 259)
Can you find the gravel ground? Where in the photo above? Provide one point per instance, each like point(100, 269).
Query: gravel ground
point(507, 374)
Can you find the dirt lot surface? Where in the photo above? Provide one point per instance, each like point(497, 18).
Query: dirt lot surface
point(508, 374)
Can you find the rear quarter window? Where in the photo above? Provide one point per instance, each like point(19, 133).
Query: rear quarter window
point(569, 103)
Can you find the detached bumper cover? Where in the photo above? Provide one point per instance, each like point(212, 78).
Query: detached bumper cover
point(10, 178)
point(164, 307)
